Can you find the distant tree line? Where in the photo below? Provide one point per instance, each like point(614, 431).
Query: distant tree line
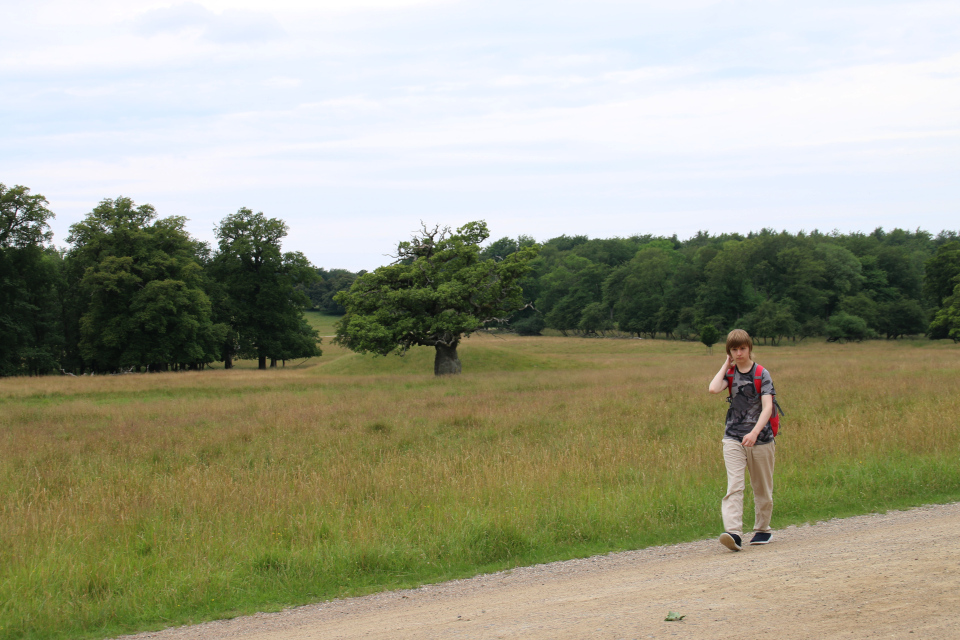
point(775, 285)
point(135, 292)
point(328, 284)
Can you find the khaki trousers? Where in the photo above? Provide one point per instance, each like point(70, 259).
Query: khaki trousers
point(758, 460)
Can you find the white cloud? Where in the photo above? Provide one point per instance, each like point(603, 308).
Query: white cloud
point(319, 6)
point(283, 82)
point(230, 26)
point(573, 116)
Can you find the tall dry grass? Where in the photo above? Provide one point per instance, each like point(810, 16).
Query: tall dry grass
point(133, 502)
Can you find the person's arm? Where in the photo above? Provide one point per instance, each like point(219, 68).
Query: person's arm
point(719, 382)
point(766, 410)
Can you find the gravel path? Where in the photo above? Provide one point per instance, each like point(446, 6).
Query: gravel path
point(895, 575)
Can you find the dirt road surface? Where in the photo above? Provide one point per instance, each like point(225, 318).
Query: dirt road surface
point(895, 575)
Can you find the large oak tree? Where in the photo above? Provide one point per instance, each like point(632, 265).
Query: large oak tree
point(437, 292)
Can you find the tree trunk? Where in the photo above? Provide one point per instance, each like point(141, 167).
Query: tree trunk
point(273, 363)
point(228, 361)
point(446, 361)
point(262, 362)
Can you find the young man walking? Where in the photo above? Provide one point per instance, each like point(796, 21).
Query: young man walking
point(748, 440)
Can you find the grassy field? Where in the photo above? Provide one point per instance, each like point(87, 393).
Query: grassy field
point(142, 501)
point(322, 323)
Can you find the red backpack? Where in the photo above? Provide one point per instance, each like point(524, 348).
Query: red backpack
point(758, 383)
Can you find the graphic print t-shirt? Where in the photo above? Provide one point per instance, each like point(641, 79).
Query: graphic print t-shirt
point(745, 405)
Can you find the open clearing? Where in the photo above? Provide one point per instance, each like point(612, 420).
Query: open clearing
point(895, 575)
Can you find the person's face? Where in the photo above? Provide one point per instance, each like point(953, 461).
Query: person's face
point(740, 355)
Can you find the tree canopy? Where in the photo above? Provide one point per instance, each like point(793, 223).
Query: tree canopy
point(31, 335)
point(141, 286)
point(775, 284)
point(438, 291)
point(264, 297)
point(135, 292)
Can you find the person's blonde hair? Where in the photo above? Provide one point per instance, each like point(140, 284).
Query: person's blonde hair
point(739, 338)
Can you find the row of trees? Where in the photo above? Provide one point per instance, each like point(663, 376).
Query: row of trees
point(443, 287)
point(136, 292)
point(775, 285)
point(327, 285)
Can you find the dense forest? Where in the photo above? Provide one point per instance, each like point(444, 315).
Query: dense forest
point(775, 285)
point(134, 292)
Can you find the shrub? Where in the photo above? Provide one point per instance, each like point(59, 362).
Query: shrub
point(843, 326)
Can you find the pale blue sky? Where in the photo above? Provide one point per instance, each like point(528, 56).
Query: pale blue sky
point(355, 120)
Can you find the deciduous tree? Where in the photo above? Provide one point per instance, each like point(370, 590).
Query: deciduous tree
point(264, 304)
point(942, 273)
point(437, 291)
point(946, 322)
point(31, 338)
point(709, 336)
point(640, 291)
point(141, 285)
point(842, 327)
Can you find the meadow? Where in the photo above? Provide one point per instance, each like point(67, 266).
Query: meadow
point(137, 502)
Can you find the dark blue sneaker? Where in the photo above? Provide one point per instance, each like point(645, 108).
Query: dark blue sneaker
point(761, 537)
point(731, 541)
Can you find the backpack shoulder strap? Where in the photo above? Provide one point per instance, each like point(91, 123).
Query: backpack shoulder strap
point(758, 378)
point(730, 381)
